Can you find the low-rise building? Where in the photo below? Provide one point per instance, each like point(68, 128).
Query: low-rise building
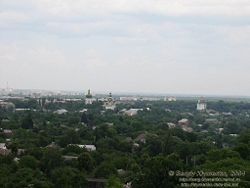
point(22, 109)
point(7, 132)
point(234, 135)
point(171, 125)
point(61, 111)
point(87, 147)
point(3, 149)
point(132, 111)
point(53, 145)
point(83, 110)
point(187, 129)
point(69, 157)
point(170, 99)
point(126, 99)
point(213, 121)
point(20, 151)
point(227, 113)
point(183, 122)
point(141, 138)
point(220, 130)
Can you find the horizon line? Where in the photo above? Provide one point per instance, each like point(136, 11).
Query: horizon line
point(145, 93)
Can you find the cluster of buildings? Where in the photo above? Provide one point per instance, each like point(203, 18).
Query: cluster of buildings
point(108, 103)
point(184, 123)
point(170, 99)
point(89, 99)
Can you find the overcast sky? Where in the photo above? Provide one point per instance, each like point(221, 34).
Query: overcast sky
point(155, 46)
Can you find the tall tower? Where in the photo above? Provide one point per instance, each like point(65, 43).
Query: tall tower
point(89, 95)
point(110, 103)
point(110, 99)
point(201, 105)
point(89, 98)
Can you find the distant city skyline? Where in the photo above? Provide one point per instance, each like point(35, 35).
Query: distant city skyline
point(122, 93)
point(196, 47)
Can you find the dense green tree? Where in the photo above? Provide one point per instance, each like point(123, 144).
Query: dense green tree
point(217, 155)
point(26, 177)
point(105, 170)
point(28, 162)
point(67, 177)
point(84, 119)
point(50, 160)
point(70, 137)
point(155, 173)
point(113, 182)
point(13, 147)
point(27, 122)
point(245, 137)
point(73, 149)
point(243, 150)
point(86, 162)
point(118, 156)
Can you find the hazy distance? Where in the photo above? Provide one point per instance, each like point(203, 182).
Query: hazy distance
point(152, 46)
